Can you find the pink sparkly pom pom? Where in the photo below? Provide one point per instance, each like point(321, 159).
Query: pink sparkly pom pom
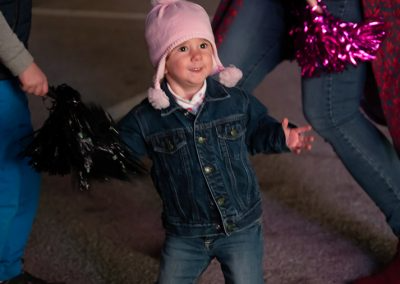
point(325, 44)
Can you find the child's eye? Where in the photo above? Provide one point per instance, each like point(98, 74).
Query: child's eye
point(203, 45)
point(183, 48)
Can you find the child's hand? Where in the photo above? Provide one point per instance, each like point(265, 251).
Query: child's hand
point(295, 138)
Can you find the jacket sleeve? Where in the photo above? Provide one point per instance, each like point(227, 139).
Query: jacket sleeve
point(130, 132)
point(13, 53)
point(264, 133)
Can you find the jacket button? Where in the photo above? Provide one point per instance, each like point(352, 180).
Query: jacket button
point(234, 132)
point(220, 201)
point(208, 169)
point(170, 146)
point(201, 140)
point(230, 227)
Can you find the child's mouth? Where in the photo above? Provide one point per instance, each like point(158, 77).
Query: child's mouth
point(196, 69)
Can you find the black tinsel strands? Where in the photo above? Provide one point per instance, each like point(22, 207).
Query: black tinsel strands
point(80, 139)
point(325, 44)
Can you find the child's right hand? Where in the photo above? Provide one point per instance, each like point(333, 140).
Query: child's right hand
point(295, 138)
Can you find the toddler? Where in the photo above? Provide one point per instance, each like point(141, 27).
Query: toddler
point(198, 133)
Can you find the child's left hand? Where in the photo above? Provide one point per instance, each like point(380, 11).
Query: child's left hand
point(295, 138)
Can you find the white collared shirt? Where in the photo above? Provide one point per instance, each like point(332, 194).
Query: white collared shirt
point(191, 105)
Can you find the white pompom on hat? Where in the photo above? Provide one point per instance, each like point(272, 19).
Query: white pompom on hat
point(170, 23)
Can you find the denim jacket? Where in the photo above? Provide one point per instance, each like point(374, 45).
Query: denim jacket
point(200, 164)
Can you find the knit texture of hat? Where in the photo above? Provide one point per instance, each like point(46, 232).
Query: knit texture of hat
point(170, 23)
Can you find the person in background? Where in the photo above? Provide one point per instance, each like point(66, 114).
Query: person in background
point(19, 183)
point(253, 35)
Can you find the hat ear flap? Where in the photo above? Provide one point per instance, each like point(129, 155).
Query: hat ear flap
point(156, 96)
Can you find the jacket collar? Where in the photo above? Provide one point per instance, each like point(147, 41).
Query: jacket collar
point(215, 92)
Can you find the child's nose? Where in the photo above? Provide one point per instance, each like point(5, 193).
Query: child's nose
point(196, 55)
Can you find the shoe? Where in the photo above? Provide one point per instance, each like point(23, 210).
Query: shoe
point(389, 275)
point(26, 278)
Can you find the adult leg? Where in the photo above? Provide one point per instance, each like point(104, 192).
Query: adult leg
point(19, 184)
point(255, 41)
point(331, 105)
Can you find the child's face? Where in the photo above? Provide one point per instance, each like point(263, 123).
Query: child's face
point(188, 65)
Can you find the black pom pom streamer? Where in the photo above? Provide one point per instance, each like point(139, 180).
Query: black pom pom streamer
point(80, 139)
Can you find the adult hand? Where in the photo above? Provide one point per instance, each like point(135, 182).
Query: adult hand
point(295, 138)
point(314, 5)
point(34, 81)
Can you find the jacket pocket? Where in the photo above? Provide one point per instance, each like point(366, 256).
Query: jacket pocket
point(171, 162)
point(168, 143)
point(231, 135)
point(231, 139)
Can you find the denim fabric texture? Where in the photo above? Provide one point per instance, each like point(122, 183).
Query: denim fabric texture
point(256, 40)
point(201, 167)
point(331, 103)
point(19, 183)
point(240, 255)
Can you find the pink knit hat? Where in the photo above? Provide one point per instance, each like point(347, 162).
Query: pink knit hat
point(170, 23)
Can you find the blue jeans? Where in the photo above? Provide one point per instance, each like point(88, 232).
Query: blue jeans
point(19, 184)
point(240, 255)
point(331, 103)
point(255, 53)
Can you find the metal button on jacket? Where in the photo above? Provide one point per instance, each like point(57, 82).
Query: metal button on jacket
point(201, 140)
point(170, 145)
point(208, 169)
point(230, 227)
point(234, 132)
point(220, 201)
